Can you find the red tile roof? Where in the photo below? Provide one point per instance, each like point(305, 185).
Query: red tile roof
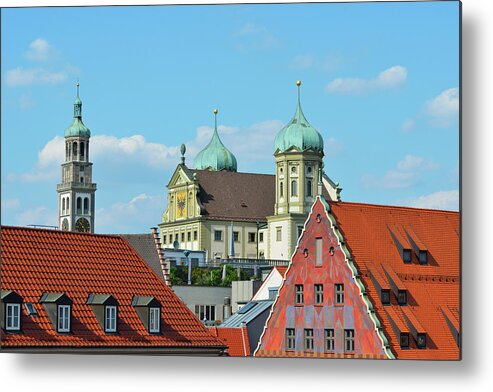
point(235, 338)
point(431, 288)
point(36, 261)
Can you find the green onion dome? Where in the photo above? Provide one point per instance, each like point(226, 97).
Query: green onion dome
point(298, 134)
point(215, 156)
point(77, 128)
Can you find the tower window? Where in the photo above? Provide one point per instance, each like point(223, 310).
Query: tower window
point(294, 188)
point(290, 339)
point(298, 294)
point(68, 205)
point(339, 294)
point(63, 205)
point(195, 235)
point(309, 169)
point(82, 151)
point(309, 190)
point(281, 189)
point(349, 340)
point(79, 205)
point(74, 150)
point(182, 237)
point(86, 205)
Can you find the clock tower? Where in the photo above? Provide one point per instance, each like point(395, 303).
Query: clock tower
point(76, 192)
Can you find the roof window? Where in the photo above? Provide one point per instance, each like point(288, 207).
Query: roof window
point(58, 307)
point(105, 308)
point(149, 311)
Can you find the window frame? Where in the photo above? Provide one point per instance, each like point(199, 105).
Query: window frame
point(252, 237)
point(218, 233)
point(236, 236)
point(349, 339)
point(110, 319)
point(308, 339)
point(153, 320)
point(339, 294)
point(66, 315)
point(290, 339)
point(299, 297)
point(318, 294)
point(405, 259)
point(13, 317)
point(329, 340)
point(278, 233)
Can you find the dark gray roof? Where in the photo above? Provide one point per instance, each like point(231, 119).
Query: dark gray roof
point(237, 319)
point(145, 246)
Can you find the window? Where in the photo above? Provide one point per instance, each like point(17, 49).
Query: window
point(318, 252)
point(63, 205)
point(309, 188)
point(404, 340)
point(308, 339)
point(281, 189)
point(298, 294)
point(261, 237)
point(236, 236)
point(294, 188)
point(218, 235)
point(423, 257)
point(385, 294)
point(406, 255)
point(205, 312)
point(421, 341)
point(278, 233)
point(13, 317)
point(290, 339)
point(63, 318)
point(110, 318)
point(154, 320)
point(79, 205)
point(319, 294)
point(300, 230)
point(182, 237)
point(349, 340)
point(195, 235)
point(86, 205)
point(309, 169)
point(402, 297)
point(329, 340)
point(251, 237)
point(339, 293)
point(293, 169)
point(74, 151)
point(189, 236)
point(176, 237)
point(82, 151)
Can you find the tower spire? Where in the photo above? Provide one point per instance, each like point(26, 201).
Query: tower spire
point(298, 83)
point(215, 120)
point(77, 103)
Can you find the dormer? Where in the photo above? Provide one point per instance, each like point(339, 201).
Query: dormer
point(402, 244)
point(400, 328)
point(10, 311)
point(382, 286)
point(417, 330)
point(149, 311)
point(105, 309)
point(452, 318)
point(419, 248)
point(396, 285)
point(58, 307)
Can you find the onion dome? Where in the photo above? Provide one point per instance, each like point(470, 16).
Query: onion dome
point(215, 156)
point(298, 133)
point(77, 128)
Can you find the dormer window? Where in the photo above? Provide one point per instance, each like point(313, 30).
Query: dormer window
point(385, 297)
point(421, 340)
point(404, 340)
point(154, 320)
point(12, 317)
point(149, 311)
point(110, 318)
point(423, 257)
point(402, 297)
point(63, 317)
point(406, 256)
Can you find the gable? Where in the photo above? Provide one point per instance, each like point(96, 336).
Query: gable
point(181, 176)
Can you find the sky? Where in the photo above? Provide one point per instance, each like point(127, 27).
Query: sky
point(380, 82)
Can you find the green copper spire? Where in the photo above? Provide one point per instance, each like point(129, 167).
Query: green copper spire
point(77, 128)
point(215, 156)
point(298, 133)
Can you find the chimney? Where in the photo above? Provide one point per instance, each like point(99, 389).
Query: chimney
point(165, 267)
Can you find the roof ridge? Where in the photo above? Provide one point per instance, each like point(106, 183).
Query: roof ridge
point(392, 206)
point(63, 232)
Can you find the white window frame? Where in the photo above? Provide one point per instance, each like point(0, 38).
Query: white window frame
point(63, 318)
point(339, 293)
point(110, 318)
point(12, 317)
point(154, 320)
point(318, 289)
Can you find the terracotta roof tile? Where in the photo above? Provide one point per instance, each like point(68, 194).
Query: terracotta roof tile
point(235, 338)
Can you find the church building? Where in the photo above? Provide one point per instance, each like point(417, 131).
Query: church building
point(76, 202)
point(215, 208)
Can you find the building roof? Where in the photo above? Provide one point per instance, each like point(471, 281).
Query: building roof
point(246, 315)
point(215, 156)
point(432, 289)
point(235, 338)
point(37, 261)
point(145, 246)
point(236, 196)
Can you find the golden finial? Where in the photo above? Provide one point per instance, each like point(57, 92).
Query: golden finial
point(216, 111)
point(298, 83)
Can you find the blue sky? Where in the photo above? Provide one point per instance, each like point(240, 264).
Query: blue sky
point(380, 83)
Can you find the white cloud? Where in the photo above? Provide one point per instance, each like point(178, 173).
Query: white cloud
point(405, 175)
point(24, 77)
point(443, 200)
point(137, 215)
point(443, 110)
point(40, 50)
point(37, 216)
point(251, 37)
point(408, 125)
point(388, 79)
point(303, 61)
point(249, 29)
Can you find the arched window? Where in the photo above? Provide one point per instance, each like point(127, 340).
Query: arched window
point(67, 152)
point(86, 205)
point(63, 205)
point(82, 151)
point(74, 150)
point(87, 150)
point(309, 186)
point(294, 188)
point(281, 189)
point(68, 205)
point(79, 205)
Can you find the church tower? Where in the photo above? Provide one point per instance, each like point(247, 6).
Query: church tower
point(299, 152)
point(76, 193)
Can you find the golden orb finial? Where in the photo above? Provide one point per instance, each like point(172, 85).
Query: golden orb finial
point(216, 111)
point(298, 83)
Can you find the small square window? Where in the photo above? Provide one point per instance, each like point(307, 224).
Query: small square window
point(385, 297)
point(218, 235)
point(421, 341)
point(404, 340)
point(329, 340)
point(319, 294)
point(298, 294)
point(402, 297)
point(406, 256)
point(339, 293)
point(309, 339)
point(349, 340)
point(12, 317)
point(290, 339)
point(423, 257)
point(251, 237)
point(261, 237)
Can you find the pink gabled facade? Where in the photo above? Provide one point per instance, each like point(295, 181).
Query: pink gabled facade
point(309, 319)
